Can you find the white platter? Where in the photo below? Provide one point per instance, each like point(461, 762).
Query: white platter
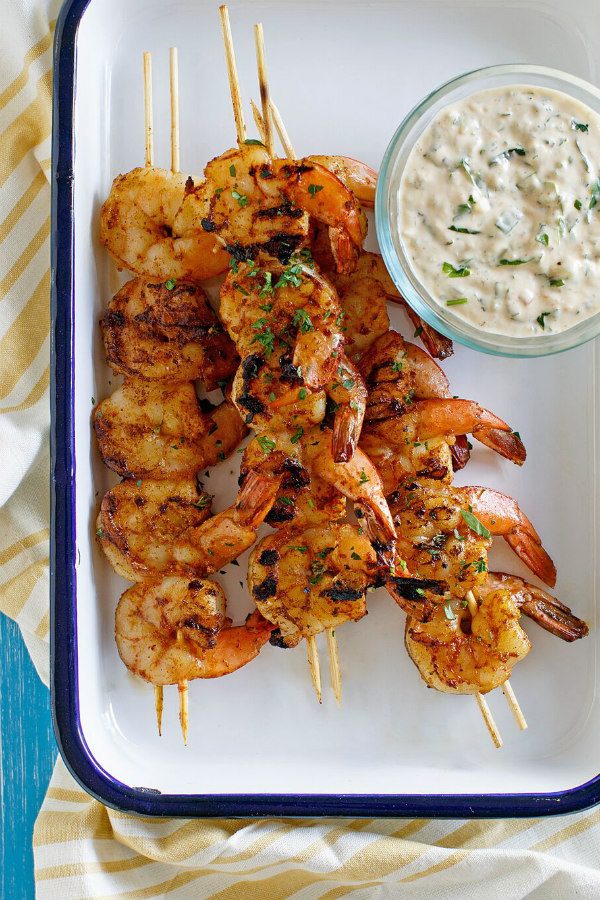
point(343, 75)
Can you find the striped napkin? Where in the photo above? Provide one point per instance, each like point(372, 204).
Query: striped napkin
point(82, 849)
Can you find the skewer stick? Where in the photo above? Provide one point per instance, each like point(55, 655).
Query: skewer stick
point(182, 687)
point(514, 705)
point(234, 86)
point(174, 86)
point(506, 687)
point(263, 84)
point(332, 646)
point(334, 665)
point(283, 135)
point(481, 701)
point(489, 720)
point(158, 704)
point(315, 668)
point(148, 126)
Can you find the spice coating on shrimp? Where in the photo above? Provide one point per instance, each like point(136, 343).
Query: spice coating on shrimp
point(166, 330)
point(150, 225)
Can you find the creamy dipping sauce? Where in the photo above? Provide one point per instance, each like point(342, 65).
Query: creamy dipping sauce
point(500, 210)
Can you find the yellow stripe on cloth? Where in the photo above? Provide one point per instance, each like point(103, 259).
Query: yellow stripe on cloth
point(21, 80)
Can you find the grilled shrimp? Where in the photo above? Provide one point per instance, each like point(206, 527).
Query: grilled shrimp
point(154, 528)
point(444, 533)
point(358, 177)
point(543, 608)
point(150, 225)
point(166, 330)
point(253, 203)
point(460, 653)
point(174, 630)
point(306, 581)
point(151, 429)
point(398, 373)
point(370, 272)
point(418, 441)
point(288, 332)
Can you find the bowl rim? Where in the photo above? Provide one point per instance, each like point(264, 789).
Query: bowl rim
point(451, 326)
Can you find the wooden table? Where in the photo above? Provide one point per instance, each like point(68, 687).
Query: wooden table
point(27, 754)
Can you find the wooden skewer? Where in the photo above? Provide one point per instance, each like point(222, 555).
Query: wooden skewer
point(335, 674)
point(481, 701)
point(174, 86)
point(315, 668)
point(234, 86)
point(258, 121)
point(489, 720)
point(158, 705)
point(263, 84)
point(148, 126)
point(514, 705)
point(283, 135)
point(183, 709)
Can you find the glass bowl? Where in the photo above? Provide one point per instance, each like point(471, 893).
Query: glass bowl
point(386, 210)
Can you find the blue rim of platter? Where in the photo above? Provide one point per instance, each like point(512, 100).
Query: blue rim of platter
point(63, 583)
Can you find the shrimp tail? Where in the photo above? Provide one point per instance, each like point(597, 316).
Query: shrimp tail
point(346, 432)
point(411, 595)
point(438, 345)
point(506, 443)
point(460, 452)
point(533, 555)
point(542, 607)
point(380, 532)
point(255, 499)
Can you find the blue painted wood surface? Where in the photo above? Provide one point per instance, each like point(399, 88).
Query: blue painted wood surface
point(27, 754)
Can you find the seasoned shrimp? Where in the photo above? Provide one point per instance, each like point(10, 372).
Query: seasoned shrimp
point(166, 330)
point(150, 225)
point(418, 440)
point(371, 273)
point(543, 608)
point(444, 533)
point(174, 630)
point(154, 528)
point(307, 581)
point(253, 203)
point(151, 429)
point(293, 316)
point(460, 653)
point(358, 177)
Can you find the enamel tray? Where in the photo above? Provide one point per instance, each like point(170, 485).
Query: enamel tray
point(343, 75)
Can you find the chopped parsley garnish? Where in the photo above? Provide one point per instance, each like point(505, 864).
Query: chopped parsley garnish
point(463, 230)
point(297, 435)
point(557, 282)
point(577, 204)
point(302, 394)
point(241, 198)
point(290, 277)
point(170, 284)
point(234, 265)
point(267, 288)
point(203, 501)
point(266, 444)
point(241, 289)
point(314, 189)
point(138, 483)
point(232, 171)
point(453, 272)
point(99, 533)
point(474, 524)
point(541, 319)
point(287, 501)
point(252, 142)
point(302, 321)
point(595, 193)
point(348, 384)
point(355, 555)
point(267, 339)
point(516, 262)
point(458, 301)
point(542, 238)
point(363, 477)
point(463, 208)
point(480, 565)
point(507, 154)
point(397, 366)
point(579, 126)
point(299, 549)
